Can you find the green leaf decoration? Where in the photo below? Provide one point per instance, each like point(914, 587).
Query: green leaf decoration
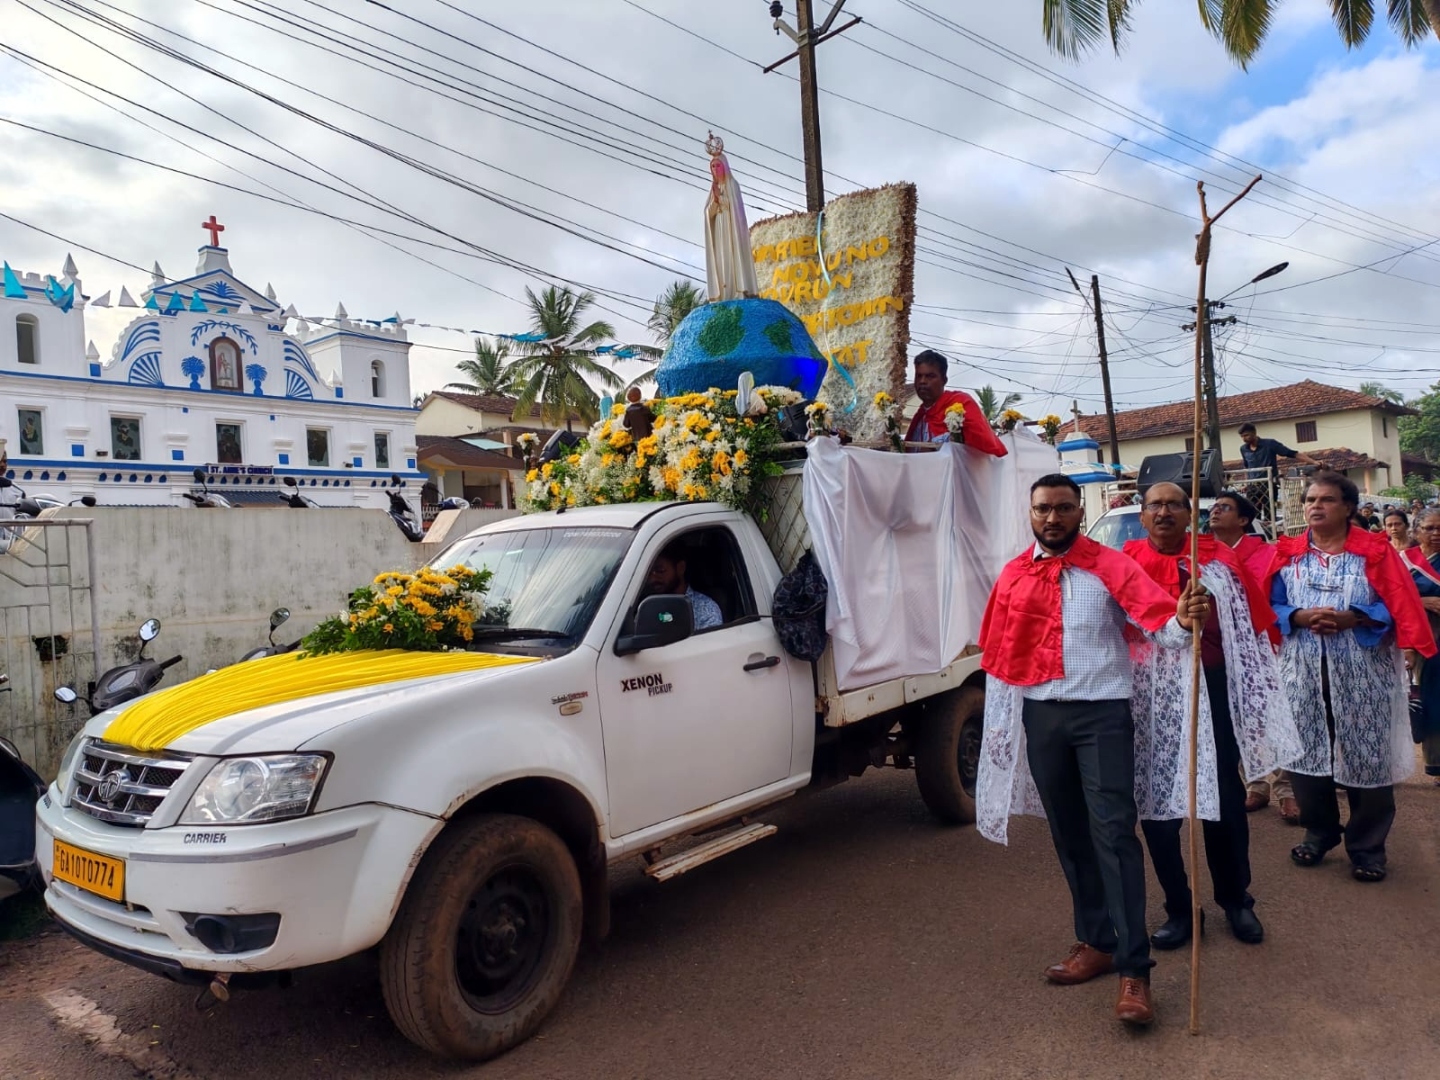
point(779, 334)
point(723, 332)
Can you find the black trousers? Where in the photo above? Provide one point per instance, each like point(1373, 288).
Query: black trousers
point(1082, 755)
point(1372, 810)
point(1227, 841)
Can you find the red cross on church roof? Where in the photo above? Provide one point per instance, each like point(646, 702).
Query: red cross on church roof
point(215, 230)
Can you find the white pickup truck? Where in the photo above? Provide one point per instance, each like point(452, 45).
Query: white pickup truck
point(465, 823)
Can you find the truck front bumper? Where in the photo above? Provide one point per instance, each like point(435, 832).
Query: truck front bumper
point(334, 879)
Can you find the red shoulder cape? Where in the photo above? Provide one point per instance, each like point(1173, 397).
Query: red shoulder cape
point(1022, 637)
point(1165, 571)
point(1388, 576)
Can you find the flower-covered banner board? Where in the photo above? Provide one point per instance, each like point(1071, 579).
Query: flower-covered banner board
point(427, 611)
point(698, 449)
point(851, 282)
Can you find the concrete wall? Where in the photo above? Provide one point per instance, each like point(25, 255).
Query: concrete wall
point(211, 578)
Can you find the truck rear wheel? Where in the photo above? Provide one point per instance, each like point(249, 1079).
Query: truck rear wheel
point(947, 755)
point(485, 939)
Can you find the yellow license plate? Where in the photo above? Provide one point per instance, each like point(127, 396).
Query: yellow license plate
point(99, 874)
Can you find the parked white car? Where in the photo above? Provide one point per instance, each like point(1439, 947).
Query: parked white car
point(466, 823)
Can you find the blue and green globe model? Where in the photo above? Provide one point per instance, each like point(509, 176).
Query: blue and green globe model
point(717, 342)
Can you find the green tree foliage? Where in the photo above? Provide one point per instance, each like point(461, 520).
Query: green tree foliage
point(555, 373)
point(489, 373)
point(1073, 27)
point(1421, 434)
point(1381, 391)
point(992, 403)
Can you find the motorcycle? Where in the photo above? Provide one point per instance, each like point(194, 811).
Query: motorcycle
point(20, 789)
point(294, 498)
point(277, 618)
point(206, 499)
point(15, 505)
point(401, 514)
point(127, 681)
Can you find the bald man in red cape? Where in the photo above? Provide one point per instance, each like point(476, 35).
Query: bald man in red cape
point(1057, 708)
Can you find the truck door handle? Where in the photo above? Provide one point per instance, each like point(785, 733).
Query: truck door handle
point(756, 665)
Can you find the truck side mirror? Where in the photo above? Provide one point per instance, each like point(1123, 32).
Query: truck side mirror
point(659, 621)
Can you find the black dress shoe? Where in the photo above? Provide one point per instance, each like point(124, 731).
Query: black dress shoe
point(1245, 926)
point(1175, 931)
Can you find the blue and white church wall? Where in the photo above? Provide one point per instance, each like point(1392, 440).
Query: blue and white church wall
point(210, 372)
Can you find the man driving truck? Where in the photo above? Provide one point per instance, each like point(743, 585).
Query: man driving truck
point(667, 577)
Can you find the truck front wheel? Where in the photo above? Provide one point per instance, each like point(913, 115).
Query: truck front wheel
point(947, 754)
point(485, 939)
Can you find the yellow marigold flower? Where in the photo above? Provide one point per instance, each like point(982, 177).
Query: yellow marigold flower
point(389, 628)
point(467, 633)
point(554, 489)
point(532, 476)
point(618, 409)
point(573, 459)
point(605, 430)
point(547, 469)
point(690, 459)
point(423, 608)
point(741, 457)
point(957, 408)
point(883, 400)
point(395, 590)
point(621, 439)
point(434, 624)
point(671, 477)
point(648, 445)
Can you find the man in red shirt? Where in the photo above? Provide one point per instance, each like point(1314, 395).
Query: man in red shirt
point(928, 424)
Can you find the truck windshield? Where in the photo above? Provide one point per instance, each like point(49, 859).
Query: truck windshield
point(544, 582)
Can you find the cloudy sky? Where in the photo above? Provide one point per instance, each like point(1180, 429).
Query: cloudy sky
point(435, 157)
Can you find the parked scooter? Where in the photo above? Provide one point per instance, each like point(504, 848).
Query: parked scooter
point(277, 618)
point(294, 497)
point(15, 505)
point(206, 499)
point(127, 681)
point(401, 514)
point(20, 789)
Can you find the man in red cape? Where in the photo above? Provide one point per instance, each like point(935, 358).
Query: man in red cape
point(1248, 726)
point(1058, 701)
point(928, 423)
point(1346, 605)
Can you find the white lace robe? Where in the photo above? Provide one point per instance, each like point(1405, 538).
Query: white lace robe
point(1368, 687)
point(1160, 703)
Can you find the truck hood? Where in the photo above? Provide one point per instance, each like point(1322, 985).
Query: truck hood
point(289, 725)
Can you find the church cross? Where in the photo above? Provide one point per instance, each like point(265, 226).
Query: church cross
point(215, 230)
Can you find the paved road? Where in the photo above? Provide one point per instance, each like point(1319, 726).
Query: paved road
point(861, 941)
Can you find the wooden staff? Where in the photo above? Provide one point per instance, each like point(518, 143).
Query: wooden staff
point(1202, 316)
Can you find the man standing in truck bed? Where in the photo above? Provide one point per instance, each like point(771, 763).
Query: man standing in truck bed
point(1057, 708)
point(928, 423)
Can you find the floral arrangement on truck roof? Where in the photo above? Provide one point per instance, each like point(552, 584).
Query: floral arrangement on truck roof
point(699, 449)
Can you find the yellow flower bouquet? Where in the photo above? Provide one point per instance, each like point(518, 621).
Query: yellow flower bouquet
point(427, 611)
point(699, 449)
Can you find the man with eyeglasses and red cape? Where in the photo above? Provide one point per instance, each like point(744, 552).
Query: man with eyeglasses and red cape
point(1245, 719)
point(1059, 738)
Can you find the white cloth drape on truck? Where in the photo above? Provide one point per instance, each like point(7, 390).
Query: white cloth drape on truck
point(911, 545)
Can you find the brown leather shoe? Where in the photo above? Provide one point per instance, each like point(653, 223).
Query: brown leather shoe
point(1081, 965)
point(1256, 801)
point(1133, 1005)
point(1290, 811)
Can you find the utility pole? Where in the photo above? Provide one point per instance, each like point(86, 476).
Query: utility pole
point(1212, 400)
point(806, 36)
point(1104, 361)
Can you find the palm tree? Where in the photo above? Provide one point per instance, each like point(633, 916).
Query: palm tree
point(553, 370)
point(671, 308)
point(1384, 393)
point(992, 404)
point(1075, 26)
point(491, 373)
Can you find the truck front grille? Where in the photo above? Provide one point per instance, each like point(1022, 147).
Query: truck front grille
point(122, 786)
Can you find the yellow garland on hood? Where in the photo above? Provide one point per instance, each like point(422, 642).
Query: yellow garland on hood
point(156, 720)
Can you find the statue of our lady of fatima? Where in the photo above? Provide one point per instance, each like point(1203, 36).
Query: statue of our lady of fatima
point(728, 262)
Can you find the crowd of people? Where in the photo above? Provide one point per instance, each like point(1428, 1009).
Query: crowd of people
point(1309, 647)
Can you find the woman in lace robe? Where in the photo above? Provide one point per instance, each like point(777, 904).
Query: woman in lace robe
point(1346, 607)
point(1424, 562)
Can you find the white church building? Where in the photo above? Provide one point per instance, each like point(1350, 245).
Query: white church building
point(205, 375)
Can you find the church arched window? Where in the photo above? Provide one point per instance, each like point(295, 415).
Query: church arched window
point(377, 379)
point(27, 339)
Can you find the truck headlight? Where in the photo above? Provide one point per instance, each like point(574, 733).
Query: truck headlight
point(252, 789)
point(67, 762)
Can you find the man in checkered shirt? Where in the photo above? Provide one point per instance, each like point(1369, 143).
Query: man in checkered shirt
point(1059, 683)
